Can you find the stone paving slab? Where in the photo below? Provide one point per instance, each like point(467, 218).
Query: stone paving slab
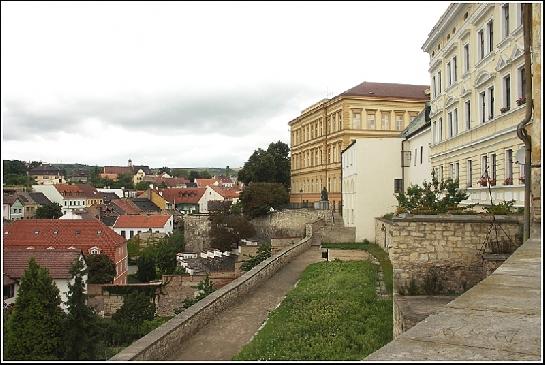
point(404, 349)
point(511, 331)
point(224, 337)
point(498, 319)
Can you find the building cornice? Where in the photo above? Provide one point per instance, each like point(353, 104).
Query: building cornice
point(445, 19)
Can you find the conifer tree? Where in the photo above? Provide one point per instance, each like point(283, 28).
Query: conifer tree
point(82, 331)
point(35, 329)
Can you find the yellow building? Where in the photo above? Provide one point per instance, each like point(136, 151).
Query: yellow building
point(323, 130)
point(535, 129)
point(477, 78)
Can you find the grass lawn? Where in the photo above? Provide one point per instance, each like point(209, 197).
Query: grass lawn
point(332, 314)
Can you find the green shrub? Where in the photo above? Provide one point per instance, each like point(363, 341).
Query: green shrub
point(263, 253)
point(502, 208)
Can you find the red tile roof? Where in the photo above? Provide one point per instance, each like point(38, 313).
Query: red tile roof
point(183, 195)
point(77, 190)
point(386, 90)
point(127, 206)
point(119, 170)
point(141, 221)
point(169, 181)
point(82, 234)
point(202, 183)
point(226, 193)
point(58, 261)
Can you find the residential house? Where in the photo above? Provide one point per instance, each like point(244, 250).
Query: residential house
point(156, 197)
point(146, 205)
point(47, 174)
point(191, 200)
point(130, 225)
point(17, 209)
point(228, 194)
point(70, 197)
point(79, 176)
point(415, 157)
point(118, 192)
point(323, 130)
point(23, 205)
point(478, 98)
point(58, 262)
point(365, 179)
point(113, 172)
point(88, 235)
point(202, 183)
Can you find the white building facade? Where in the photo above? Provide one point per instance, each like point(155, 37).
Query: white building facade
point(371, 174)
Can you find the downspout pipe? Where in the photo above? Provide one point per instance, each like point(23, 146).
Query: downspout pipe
point(522, 133)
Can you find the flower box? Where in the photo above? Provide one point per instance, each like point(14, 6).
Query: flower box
point(521, 180)
point(493, 182)
point(482, 181)
point(508, 181)
point(521, 101)
point(504, 109)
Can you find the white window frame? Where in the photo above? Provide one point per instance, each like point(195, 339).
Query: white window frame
point(466, 58)
point(505, 20)
point(467, 106)
point(469, 173)
point(506, 96)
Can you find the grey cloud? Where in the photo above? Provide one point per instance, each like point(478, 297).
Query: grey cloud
point(233, 113)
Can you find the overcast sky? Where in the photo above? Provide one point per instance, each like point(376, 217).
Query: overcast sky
point(190, 84)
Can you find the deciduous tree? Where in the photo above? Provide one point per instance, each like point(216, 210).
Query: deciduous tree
point(101, 269)
point(49, 211)
point(258, 198)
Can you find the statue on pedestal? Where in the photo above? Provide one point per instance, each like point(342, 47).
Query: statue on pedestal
point(324, 195)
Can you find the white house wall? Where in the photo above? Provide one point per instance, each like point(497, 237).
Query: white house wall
point(420, 166)
point(369, 181)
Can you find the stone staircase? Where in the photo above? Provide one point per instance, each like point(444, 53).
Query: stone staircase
point(336, 232)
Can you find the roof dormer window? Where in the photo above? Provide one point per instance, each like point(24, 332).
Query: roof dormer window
point(94, 250)
point(36, 231)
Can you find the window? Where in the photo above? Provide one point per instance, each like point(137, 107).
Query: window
point(356, 119)
point(9, 291)
point(456, 171)
point(505, 18)
point(484, 165)
point(508, 167)
point(371, 121)
point(450, 127)
point(522, 82)
point(94, 250)
point(434, 88)
point(480, 44)
point(131, 234)
point(469, 173)
point(493, 165)
point(421, 153)
point(449, 75)
point(399, 122)
point(468, 114)
point(466, 58)
point(507, 92)
point(519, 14)
point(490, 31)
point(441, 173)
point(439, 80)
point(398, 185)
point(491, 102)
point(385, 120)
point(455, 122)
point(451, 171)
point(123, 234)
point(434, 132)
point(454, 70)
point(482, 103)
point(440, 129)
point(415, 152)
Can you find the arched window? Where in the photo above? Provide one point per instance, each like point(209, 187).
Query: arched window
point(94, 250)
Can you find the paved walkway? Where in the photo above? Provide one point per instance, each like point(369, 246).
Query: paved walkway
point(498, 319)
point(224, 337)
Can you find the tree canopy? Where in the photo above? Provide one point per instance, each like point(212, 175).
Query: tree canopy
point(272, 165)
point(258, 198)
point(82, 331)
point(34, 330)
point(49, 211)
point(101, 269)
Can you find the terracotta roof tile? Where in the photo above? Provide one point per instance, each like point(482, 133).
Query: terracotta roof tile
point(82, 234)
point(226, 193)
point(58, 261)
point(388, 90)
point(141, 221)
point(183, 195)
point(127, 206)
point(202, 183)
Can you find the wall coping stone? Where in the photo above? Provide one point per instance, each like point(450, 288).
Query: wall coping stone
point(457, 218)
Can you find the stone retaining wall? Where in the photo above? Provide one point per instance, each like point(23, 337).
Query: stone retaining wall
point(288, 223)
point(165, 340)
point(441, 249)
